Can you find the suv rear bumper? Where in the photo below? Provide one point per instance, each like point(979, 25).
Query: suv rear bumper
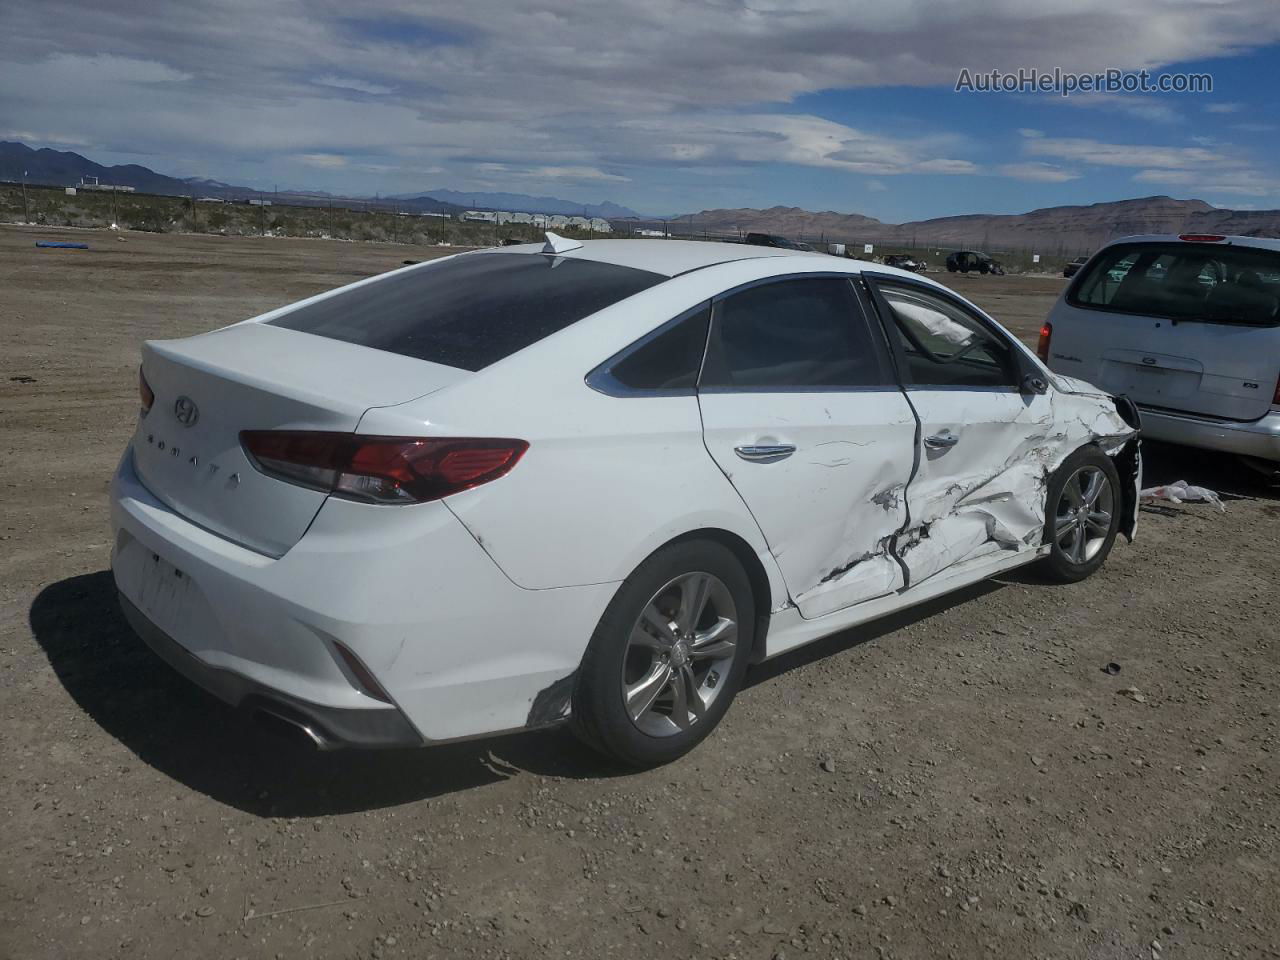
point(1256, 438)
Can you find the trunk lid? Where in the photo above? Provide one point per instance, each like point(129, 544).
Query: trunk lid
point(253, 376)
point(1182, 326)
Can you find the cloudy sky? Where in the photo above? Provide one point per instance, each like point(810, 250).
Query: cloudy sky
point(664, 107)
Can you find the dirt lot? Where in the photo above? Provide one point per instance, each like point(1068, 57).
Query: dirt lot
point(987, 791)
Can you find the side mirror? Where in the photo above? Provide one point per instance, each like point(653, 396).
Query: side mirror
point(1033, 383)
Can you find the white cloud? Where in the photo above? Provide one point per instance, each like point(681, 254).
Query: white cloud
point(876, 186)
point(1029, 133)
point(562, 91)
point(1037, 172)
point(1224, 107)
point(325, 161)
point(349, 83)
point(1084, 150)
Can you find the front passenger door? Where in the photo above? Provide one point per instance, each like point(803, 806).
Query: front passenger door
point(984, 444)
point(801, 411)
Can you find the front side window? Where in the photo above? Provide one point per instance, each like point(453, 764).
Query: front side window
point(472, 310)
point(792, 334)
point(1213, 283)
point(944, 345)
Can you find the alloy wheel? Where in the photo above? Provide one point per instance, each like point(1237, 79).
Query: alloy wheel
point(679, 651)
point(1082, 520)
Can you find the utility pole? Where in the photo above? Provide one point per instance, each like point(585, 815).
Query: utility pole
point(26, 216)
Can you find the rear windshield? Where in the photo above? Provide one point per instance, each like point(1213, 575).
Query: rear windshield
point(1207, 282)
point(472, 310)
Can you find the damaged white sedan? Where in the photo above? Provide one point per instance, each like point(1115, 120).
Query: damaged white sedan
point(588, 482)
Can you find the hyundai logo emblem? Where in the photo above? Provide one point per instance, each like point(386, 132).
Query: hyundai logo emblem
point(185, 409)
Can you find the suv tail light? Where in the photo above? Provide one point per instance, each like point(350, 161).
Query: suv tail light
point(1275, 401)
point(1042, 347)
point(380, 469)
point(1201, 237)
point(145, 394)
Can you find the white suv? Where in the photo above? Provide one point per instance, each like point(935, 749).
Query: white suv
point(1188, 327)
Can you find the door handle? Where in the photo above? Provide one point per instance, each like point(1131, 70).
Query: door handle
point(768, 453)
point(940, 441)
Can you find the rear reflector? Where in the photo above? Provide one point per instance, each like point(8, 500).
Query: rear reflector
point(1201, 237)
point(380, 469)
point(1275, 401)
point(1042, 347)
point(145, 395)
point(365, 680)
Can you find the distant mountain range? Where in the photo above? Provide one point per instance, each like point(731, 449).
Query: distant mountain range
point(1051, 230)
point(65, 169)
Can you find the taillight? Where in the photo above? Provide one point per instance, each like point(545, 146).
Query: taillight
point(1042, 348)
point(380, 469)
point(1201, 237)
point(145, 394)
point(1275, 401)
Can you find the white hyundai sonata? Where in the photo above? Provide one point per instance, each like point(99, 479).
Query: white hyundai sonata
point(588, 482)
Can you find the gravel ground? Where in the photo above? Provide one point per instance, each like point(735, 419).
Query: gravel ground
point(964, 780)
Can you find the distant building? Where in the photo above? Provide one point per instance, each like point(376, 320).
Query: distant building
point(479, 216)
point(599, 225)
point(650, 233)
point(557, 222)
point(254, 202)
point(522, 218)
point(91, 183)
point(443, 216)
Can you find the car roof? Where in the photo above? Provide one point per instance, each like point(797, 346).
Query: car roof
point(1262, 243)
point(667, 257)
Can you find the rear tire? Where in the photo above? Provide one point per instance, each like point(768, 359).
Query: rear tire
point(1082, 515)
point(668, 656)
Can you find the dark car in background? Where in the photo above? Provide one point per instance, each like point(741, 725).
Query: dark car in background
point(1072, 268)
point(904, 262)
point(972, 261)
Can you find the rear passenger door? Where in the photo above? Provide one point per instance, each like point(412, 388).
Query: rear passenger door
point(984, 442)
point(802, 412)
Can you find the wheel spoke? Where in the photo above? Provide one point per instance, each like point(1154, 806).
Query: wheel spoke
point(1063, 526)
point(680, 703)
point(1099, 522)
point(1078, 547)
point(1073, 491)
point(658, 626)
point(1092, 486)
point(717, 642)
point(690, 683)
point(694, 591)
point(642, 695)
point(642, 636)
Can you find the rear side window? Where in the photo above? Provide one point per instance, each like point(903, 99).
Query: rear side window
point(669, 361)
point(472, 310)
point(943, 344)
point(793, 334)
point(1208, 282)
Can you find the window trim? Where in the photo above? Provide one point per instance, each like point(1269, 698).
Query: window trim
point(1017, 353)
point(602, 380)
point(874, 334)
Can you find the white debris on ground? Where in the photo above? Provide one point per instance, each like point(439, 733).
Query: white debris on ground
point(1183, 492)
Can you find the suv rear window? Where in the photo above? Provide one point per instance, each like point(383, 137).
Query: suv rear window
point(472, 310)
point(1207, 282)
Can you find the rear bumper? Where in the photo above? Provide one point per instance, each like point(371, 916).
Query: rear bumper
point(458, 648)
point(327, 726)
point(1257, 438)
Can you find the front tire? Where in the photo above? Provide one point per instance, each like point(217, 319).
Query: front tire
point(668, 656)
point(1082, 515)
